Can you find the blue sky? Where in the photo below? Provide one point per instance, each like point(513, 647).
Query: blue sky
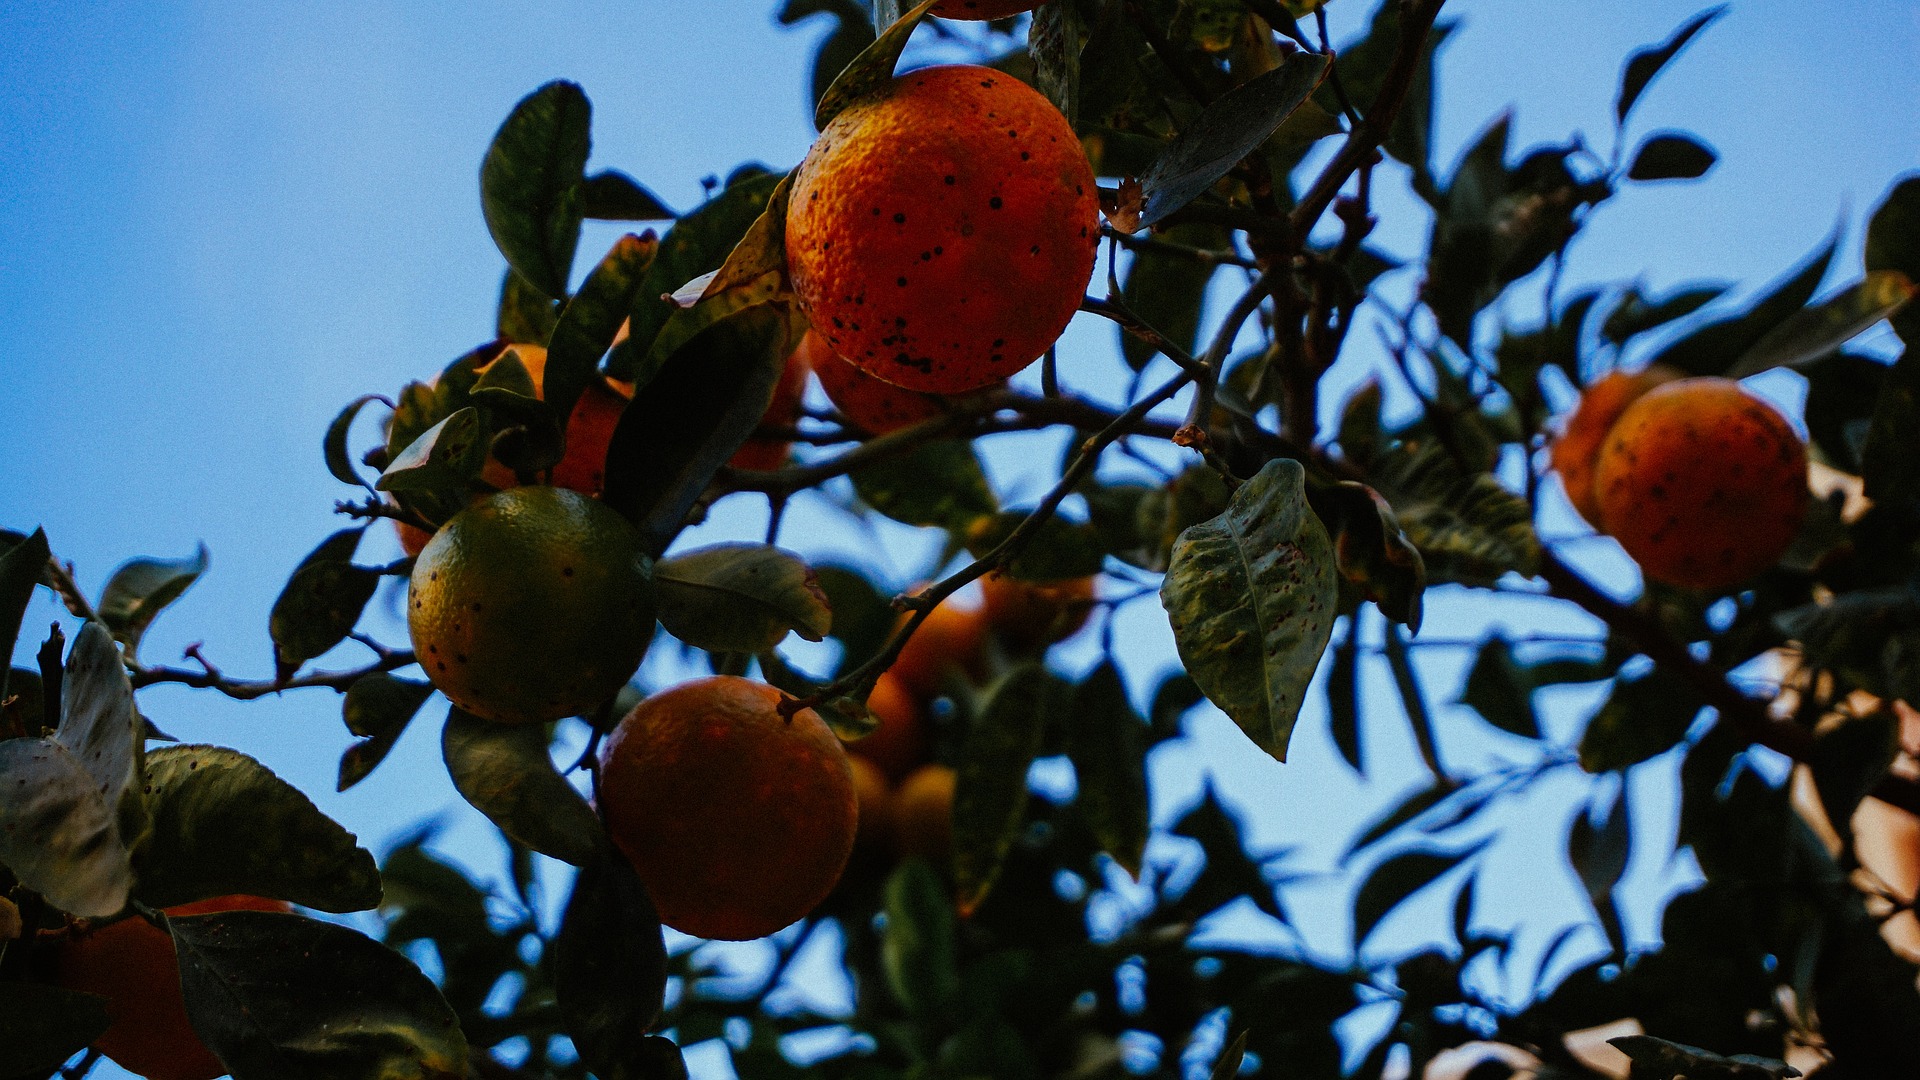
point(221, 221)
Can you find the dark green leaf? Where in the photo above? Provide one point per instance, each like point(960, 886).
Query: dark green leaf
point(872, 69)
point(1642, 718)
point(1815, 332)
point(23, 563)
point(140, 588)
point(1056, 38)
point(611, 195)
point(506, 773)
point(587, 325)
point(1059, 550)
point(377, 708)
point(1371, 551)
point(1108, 746)
point(917, 953)
point(1360, 431)
point(740, 597)
point(321, 602)
point(990, 793)
point(42, 1026)
point(1499, 692)
point(437, 469)
point(1887, 462)
point(1644, 64)
point(1711, 349)
point(1659, 1059)
point(1167, 290)
point(1893, 243)
point(223, 823)
point(531, 184)
point(526, 315)
point(1671, 155)
point(862, 615)
point(1841, 391)
point(281, 997)
point(610, 970)
point(1396, 879)
point(1229, 874)
point(936, 483)
point(1599, 855)
point(334, 447)
point(1235, 125)
point(1251, 597)
point(1852, 757)
point(1468, 528)
point(1637, 313)
point(1403, 812)
point(1343, 702)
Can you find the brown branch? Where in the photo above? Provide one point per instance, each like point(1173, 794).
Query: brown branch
point(1154, 244)
point(211, 678)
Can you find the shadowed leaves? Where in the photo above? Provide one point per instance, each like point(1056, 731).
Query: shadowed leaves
point(739, 597)
point(506, 773)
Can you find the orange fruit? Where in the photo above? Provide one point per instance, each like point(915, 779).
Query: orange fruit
point(943, 229)
point(1578, 446)
point(1703, 483)
point(867, 403)
point(873, 794)
point(532, 604)
point(981, 10)
point(1031, 615)
point(899, 744)
point(132, 964)
point(769, 451)
point(923, 815)
point(738, 820)
point(950, 644)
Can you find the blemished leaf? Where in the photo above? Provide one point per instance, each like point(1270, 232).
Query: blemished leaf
point(1849, 759)
point(140, 588)
point(939, 482)
point(436, 469)
point(1644, 64)
point(740, 597)
point(1394, 880)
point(506, 773)
point(1251, 595)
point(321, 602)
point(526, 315)
point(23, 563)
point(587, 325)
point(1641, 719)
point(1660, 1059)
point(531, 184)
point(872, 69)
point(1637, 313)
point(1107, 743)
point(917, 952)
point(101, 728)
point(611, 195)
point(1671, 155)
point(1235, 125)
point(42, 1026)
point(334, 447)
point(377, 709)
point(1167, 290)
point(1468, 528)
point(1371, 551)
point(990, 792)
point(282, 997)
point(686, 422)
point(223, 823)
point(1816, 331)
point(1060, 550)
point(1714, 347)
point(1497, 690)
point(610, 969)
point(1056, 38)
point(1893, 243)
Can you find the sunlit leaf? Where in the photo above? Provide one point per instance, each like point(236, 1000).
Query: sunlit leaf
point(872, 69)
point(740, 597)
point(530, 184)
point(140, 588)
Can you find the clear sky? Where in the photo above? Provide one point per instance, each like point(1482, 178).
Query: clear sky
point(220, 221)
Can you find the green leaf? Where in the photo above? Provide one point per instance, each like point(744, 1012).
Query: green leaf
point(1641, 719)
point(531, 184)
point(1251, 597)
point(140, 588)
point(1360, 431)
point(1887, 462)
point(1227, 1065)
point(1229, 874)
point(42, 1026)
point(939, 482)
point(1343, 702)
point(1637, 313)
point(436, 470)
point(740, 597)
point(1671, 155)
point(1497, 689)
point(1468, 528)
point(1814, 332)
point(1659, 1059)
point(1107, 742)
point(1371, 551)
point(1059, 550)
point(281, 997)
point(334, 446)
point(1056, 38)
point(525, 315)
point(320, 603)
point(1403, 812)
point(1166, 291)
point(917, 950)
point(610, 970)
point(23, 563)
point(506, 772)
point(1225, 132)
point(863, 616)
point(223, 823)
point(1394, 880)
point(872, 69)
point(1711, 349)
point(697, 410)
point(1599, 855)
point(587, 325)
point(1893, 243)
point(1644, 64)
point(611, 195)
point(377, 709)
point(990, 792)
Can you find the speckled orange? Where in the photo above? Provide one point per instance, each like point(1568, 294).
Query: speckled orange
point(869, 404)
point(738, 820)
point(1703, 483)
point(982, 10)
point(1578, 446)
point(942, 231)
point(769, 451)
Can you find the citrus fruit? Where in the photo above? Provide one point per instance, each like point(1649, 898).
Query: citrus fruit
point(899, 744)
point(1031, 615)
point(867, 403)
point(532, 604)
point(132, 964)
point(981, 10)
point(769, 451)
point(1703, 483)
point(950, 644)
point(1578, 444)
point(923, 814)
point(873, 794)
point(738, 820)
point(942, 230)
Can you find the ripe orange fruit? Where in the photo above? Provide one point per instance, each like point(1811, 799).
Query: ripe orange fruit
point(1578, 445)
point(1703, 483)
point(923, 815)
point(950, 644)
point(763, 452)
point(873, 406)
point(738, 820)
point(532, 604)
point(132, 964)
point(1031, 615)
point(983, 9)
point(873, 794)
point(899, 744)
point(942, 231)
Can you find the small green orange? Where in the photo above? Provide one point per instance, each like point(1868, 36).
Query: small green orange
point(532, 604)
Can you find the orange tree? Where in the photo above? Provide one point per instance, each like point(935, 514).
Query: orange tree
point(1236, 155)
